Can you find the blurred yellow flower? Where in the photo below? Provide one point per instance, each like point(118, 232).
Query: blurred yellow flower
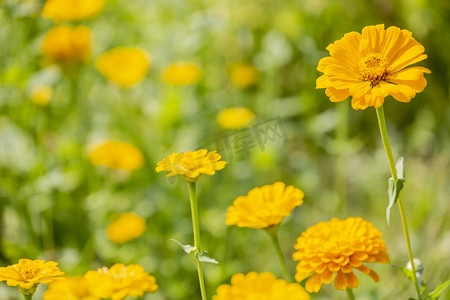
point(71, 10)
point(116, 155)
point(121, 281)
point(370, 66)
point(263, 286)
point(127, 227)
point(235, 117)
point(124, 66)
point(67, 46)
point(191, 164)
point(264, 206)
point(27, 274)
point(338, 246)
point(181, 73)
point(243, 75)
point(72, 288)
point(42, 94)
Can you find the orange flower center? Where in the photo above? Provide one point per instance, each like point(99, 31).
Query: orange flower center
point(373, 68)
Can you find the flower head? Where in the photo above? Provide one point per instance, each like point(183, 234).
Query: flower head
point(264, 206)
point(116, 155)
point(127, 227)
point(191, 164)
point(121, 281)
point(235, 117)
point(243, 75)
point(71, 288)
point(338, 246)
point(42, 94)
point(181, 73)
point(124, 66)
point(71, 10)
point(372, 65)
point(27, 274)
point(263, 286)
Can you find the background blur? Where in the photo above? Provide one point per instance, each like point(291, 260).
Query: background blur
point(55, 205)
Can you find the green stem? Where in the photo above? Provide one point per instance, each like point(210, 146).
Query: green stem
point(273, 233)
point(387, 147)
point(341, 161)
point(195, 224)
point(350, 294)
point(28, 297)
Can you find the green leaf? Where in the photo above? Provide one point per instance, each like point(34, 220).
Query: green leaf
point(395, 186)
point(203, 257)
point(434, 295)
point(187, 248)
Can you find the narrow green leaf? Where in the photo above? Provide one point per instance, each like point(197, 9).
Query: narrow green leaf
point(395, 186)
point(434, 295)
point(187, 248)
point(203, 257)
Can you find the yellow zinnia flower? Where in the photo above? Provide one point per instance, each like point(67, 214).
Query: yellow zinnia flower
point(127, 227)
point(338, 246)
point(181, 73)
point(372, 65)
point(263, 286)
point(72, 288)
point(41, 95)
point(27, 274)
point(67, 46)
point(124, 66)
point(235, 117)
point(191, 164)
point(121, 281)
point(243, 75)
point(71, 10)
point(116, 155)
point(264, 206)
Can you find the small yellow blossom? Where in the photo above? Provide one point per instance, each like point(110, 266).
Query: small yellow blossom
point(181, 73)
point(27, 274)
point(41, 95)
point(191, 164)
point(124, 66)
point(72, 288)
point(235, 117)
point(116, 155)
point(338, 247)
point(71, 10)
point(67, 46)
point(127, 227)
point(263, 286)
point(243, 75)
point(121, 281)
point(264, 206)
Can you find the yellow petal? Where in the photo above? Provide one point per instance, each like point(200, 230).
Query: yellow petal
point(313, 284)
point(337, 95)
point(340, 283)
point(352, 280)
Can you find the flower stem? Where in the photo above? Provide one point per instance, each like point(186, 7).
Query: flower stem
point(195, 225)
point(387, 147)
point(28, 297)
point(350, 294)
point(273, 233)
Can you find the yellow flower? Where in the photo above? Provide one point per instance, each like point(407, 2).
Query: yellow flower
point(263, 286)
point(372, 65)
point(338, 246)
point(264, 206)
point(127, 227)
point(124, 66)
point(41, 95)
point(191, 164)
point(71, 10)
point(27, 274)
point(181, 73)
point(66, 45)
point(116, 155)
point(121, 281)
point(243, 75)
point(235, 117)
point(72, 288)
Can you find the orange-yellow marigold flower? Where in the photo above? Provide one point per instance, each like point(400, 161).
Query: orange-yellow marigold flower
point(243, 75)
point(71, 10)
point(127, 227)
point(116, 155)
point(191, 164)
point(124, 66)
point(121, 281)
point(235, 117)
point(372, 65)
point(71, 288)
point(181, 73)
point(338, 247)
point(29, 273)
point(263, 286)
point(264, 206)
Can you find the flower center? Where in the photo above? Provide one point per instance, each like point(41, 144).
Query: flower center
point(373, 68)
